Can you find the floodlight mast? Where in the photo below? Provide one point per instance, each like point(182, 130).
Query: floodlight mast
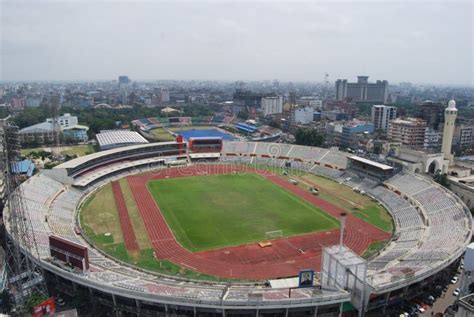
point(342, 219)
point(25, 276)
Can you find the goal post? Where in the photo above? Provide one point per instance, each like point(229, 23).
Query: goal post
point(275, 234)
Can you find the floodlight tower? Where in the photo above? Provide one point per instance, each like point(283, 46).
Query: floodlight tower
point(25, 276)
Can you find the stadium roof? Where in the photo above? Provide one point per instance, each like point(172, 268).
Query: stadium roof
point(205, 138)
point(169, 110)
point(117, 137)
point(38, 128)
point(77, 126)
point(83, 159)
point(366, 161)
point(24, 167)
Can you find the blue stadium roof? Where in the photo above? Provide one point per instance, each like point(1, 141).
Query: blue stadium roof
point(205, 138)
point(24, 167)
point(246, 127)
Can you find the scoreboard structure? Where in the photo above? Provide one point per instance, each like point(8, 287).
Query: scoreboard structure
point(69, 252)
point(205, 145)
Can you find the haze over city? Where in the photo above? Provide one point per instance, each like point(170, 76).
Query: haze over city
point(417, 41)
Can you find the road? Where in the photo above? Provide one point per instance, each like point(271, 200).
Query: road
point(445, 300)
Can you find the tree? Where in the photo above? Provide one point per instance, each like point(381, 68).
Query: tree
point(243, 114)
point(441, 178)
point(307, 136)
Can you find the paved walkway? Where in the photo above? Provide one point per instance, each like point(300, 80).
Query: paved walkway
point(445, 300)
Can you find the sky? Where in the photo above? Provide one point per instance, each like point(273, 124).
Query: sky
point(414, 40)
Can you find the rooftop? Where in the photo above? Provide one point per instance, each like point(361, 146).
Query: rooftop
point(83, 159)
point(115, 137)
point(366, 161)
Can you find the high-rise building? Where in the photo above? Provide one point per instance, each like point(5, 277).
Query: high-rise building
point(272, 105)
point(450, 114)
point(432, 112)
point(382, 115)
point(123, 80)
point(362, 90)
point(165, 95)
point(245, 99)
point(409, 132)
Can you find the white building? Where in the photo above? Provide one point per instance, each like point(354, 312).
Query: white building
point(310, 101)
point(272, 105)
point(304, 115)
point(65, 120)
point(382, 115)
point(110, 139)
point(432, 138)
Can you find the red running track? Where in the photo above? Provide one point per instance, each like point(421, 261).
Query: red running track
point(127, 229)
point(286, 256)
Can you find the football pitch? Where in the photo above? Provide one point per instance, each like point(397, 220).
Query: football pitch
point(214, 211)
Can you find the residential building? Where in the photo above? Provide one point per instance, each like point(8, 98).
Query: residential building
point(272, 105)
point(65, 120)
point(309, 101)
point(432, 112)
point(362, 90)
point(303, 115)
point(382, 115)
point(463, 137)
point(33, 101)
point(409, 132)
point(18, 103)
point(334, 115)
point(466, 306)
point(349, 131)
point(432, 138)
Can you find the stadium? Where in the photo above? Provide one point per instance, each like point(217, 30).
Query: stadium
point(222, 265)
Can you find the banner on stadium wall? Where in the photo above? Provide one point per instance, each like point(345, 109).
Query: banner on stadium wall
point(45, 308)
point(306, 278)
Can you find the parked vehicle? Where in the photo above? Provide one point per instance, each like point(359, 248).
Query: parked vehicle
point(456, 292)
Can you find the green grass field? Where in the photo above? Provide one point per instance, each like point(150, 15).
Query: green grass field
point(208, 212)
point(345, 198)
point(99, 215)
point(79, 150)
point(162, 135)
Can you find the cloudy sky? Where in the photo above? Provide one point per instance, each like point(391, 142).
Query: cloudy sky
point(413, 40)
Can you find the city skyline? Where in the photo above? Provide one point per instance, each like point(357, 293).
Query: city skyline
point(82, 40)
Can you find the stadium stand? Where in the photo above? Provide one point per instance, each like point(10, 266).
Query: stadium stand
point(432, 229)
